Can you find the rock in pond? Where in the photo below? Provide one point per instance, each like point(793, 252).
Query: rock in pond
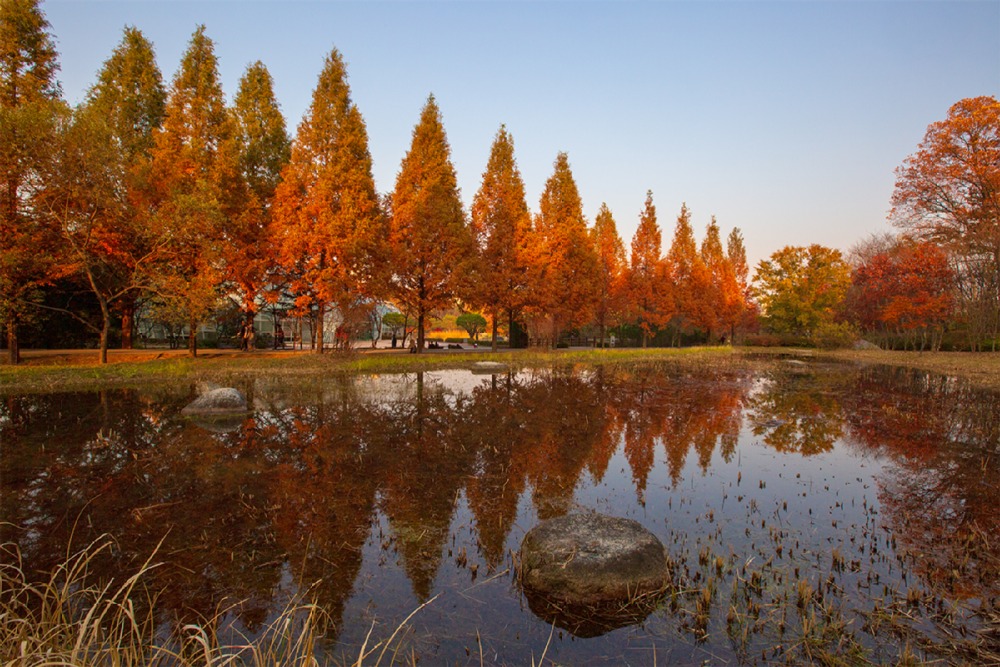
point(590, 573)
point(222, 401)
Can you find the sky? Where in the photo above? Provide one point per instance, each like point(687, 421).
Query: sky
point(785, 119)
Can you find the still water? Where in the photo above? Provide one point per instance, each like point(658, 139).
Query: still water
point(807, 509)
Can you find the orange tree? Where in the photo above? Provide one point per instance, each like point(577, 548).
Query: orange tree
point(327, 215)
point(430, 244)
point(949, 192)
point(262, 152)
point(649, 285)
point(501, 224)
point(130, 99)
point(611, 302)
point(906, 290)
point(564, 271)
point(743, 309)
point(690, 278)
point(195, 189)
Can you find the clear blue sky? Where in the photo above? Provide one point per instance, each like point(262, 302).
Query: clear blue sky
point(785, 119)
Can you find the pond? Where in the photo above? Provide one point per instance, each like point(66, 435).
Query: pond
point(808, 510)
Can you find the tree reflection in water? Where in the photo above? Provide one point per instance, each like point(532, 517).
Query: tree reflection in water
point(334, 484)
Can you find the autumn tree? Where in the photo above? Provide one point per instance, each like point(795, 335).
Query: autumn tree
point(263, 150)
point(690, 276)
point(501, 224)
point(85, 203)
point(611, 300)
point(564, 270)
point(430, 243)
point(725, 297)
point(905, 290)
point(327, 214)
point(30, 108)
point(801, 289)
point(947, 193)
point(103, 154)
point(648, 280)
point(736, 255)
point(195, 187)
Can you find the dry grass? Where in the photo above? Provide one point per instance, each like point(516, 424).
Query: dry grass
point(70, 620)
point(979, 368)
point(78, 370)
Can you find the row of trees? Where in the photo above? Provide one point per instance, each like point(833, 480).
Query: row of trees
point(172, 202)
point(172, 199)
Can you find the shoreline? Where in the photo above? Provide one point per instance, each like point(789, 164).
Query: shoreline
point(66, 370)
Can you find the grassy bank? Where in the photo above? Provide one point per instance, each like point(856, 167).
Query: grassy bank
point(77, 370)
point(66, 371)
point(980, 368)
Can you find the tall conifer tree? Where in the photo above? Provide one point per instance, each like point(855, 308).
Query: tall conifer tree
point(565, 263)
point(129, 98)
point(691, 278)
point(718, 290)
point(195, 186)
point(736, 255)
point(501, 225)
point(30, 107)
point(129, 95)
point(431, 245)
point(648, 284)
point(263, 151)
point(326, 207)
point(612, 270)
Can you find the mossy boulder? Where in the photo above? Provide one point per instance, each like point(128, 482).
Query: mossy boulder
point(588, 564)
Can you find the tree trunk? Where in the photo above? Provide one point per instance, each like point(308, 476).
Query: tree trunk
point(494, 346)
point(318, 338)
point(645, 337)
point(193, 339)
point(13, 351)
point(128, 323)
point(420, 331)
point(105, 329)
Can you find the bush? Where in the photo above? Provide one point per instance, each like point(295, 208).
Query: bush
point(834, 335)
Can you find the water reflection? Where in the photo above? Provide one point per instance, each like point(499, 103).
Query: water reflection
point(335, 484)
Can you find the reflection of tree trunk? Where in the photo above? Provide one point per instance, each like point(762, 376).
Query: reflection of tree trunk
point(421, 408)
point(13, 351)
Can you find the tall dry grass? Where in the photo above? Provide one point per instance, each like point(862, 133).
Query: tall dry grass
point(68, 619)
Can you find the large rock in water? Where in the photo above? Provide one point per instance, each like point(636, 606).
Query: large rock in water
point(223, 401)
point(591, 573)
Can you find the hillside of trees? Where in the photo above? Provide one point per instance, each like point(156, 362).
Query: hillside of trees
point(160, 201)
